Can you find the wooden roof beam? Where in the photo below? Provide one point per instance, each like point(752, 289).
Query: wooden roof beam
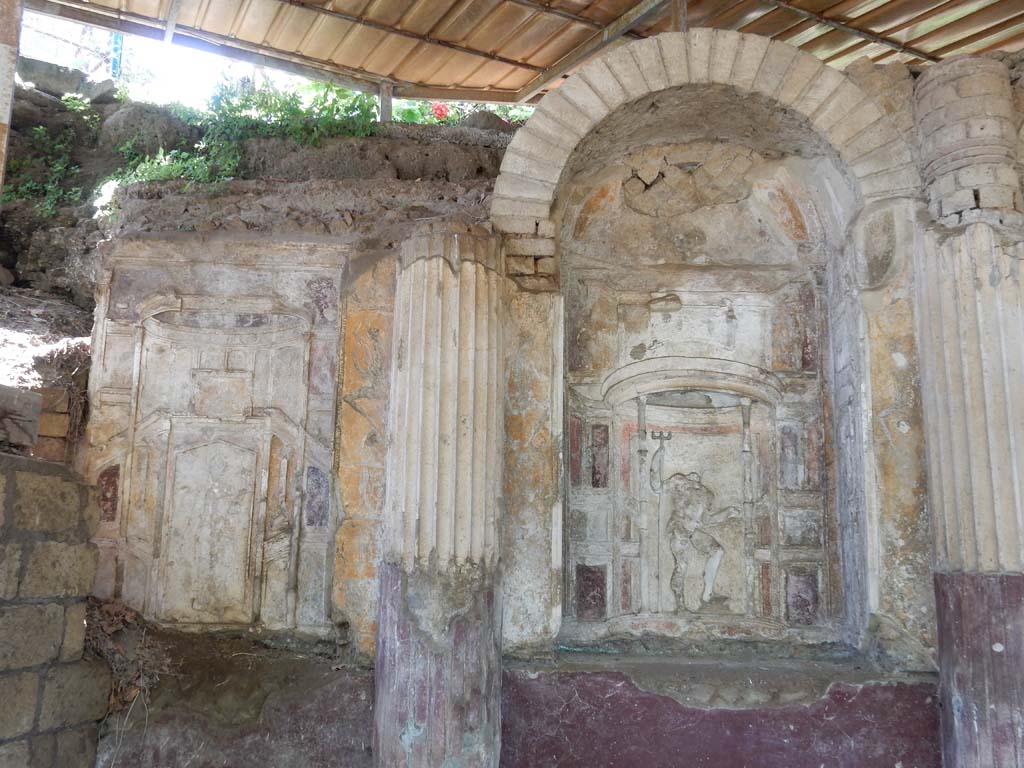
point(381, 27)
point(636, 15)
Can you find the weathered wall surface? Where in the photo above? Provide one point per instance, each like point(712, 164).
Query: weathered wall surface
point(320, 253)
point(52, 696)
point(531, 542)
point(622, 720)
point(231, 701)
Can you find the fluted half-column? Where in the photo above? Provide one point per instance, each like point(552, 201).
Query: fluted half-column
point(971, 336)
point(971, 315)
point(438, 648)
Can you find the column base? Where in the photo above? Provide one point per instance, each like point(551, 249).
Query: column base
point(438, 672)
point(981, 658)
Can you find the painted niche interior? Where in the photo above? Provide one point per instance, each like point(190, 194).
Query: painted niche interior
point(715, 484)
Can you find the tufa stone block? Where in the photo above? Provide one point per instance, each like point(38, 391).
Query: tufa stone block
point(76, 748)
point(54, 424)
point(774, 67)
point(19, 415)
point(604, 83)
point(724, 47)
point(675, 57)
point(30, 635)
point(520, 265)
point(44, 750)
point(546, 266)
point(14, 755)
point(18, 712)
point(647, 53)
point(74, 694)
point(56, 569)
point(46, 503)
point(53, 449)
point(55, 400)
point(10, 564)
point(748, 61)
point(73, 644)
point(624, 66)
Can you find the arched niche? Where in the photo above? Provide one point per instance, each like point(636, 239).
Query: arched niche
point(698, 198)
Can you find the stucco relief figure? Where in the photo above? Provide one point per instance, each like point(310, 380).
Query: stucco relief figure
point(695, 550)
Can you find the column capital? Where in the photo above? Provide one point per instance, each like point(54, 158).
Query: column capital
point(456, 241)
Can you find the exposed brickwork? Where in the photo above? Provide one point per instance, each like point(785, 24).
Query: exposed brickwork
point(968, 133)
point(51, 696)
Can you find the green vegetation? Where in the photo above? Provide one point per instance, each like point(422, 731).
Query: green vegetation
point(243, 110)
point(46, 175)
point(82, 106)
point(237, 111)
point(240, 111)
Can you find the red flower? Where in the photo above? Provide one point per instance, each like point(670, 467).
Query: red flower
point(440, 110)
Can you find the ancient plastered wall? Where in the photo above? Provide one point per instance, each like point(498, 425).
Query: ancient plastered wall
point(897, 592)
point(10, 27)
point(531, 531)
point(51, 697)
point(368, 303)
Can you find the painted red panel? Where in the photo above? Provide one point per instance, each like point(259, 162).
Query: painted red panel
point(109, 483)
point(591, 592)
point(599, 454)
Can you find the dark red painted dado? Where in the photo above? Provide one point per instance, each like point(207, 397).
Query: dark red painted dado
point(981, 659)
point(602, 720)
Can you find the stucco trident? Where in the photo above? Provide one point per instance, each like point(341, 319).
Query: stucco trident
point(658, 460)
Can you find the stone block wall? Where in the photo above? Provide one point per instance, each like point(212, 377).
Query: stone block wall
point(51, 696)
point(56, 421)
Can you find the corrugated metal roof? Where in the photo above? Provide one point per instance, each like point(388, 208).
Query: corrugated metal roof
point(502, 50)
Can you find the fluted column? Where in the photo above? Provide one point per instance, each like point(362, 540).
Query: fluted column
point(10, 26)
point(971, 336)
point(438, 648)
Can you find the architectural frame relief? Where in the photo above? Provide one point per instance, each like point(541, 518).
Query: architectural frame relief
point(225, 444)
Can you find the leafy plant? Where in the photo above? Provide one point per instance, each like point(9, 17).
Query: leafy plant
point(46, 179)
point(81, 105)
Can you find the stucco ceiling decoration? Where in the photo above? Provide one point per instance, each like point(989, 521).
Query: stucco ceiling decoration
point(514, 50)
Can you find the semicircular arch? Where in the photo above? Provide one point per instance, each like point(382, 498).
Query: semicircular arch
point(877, 156)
